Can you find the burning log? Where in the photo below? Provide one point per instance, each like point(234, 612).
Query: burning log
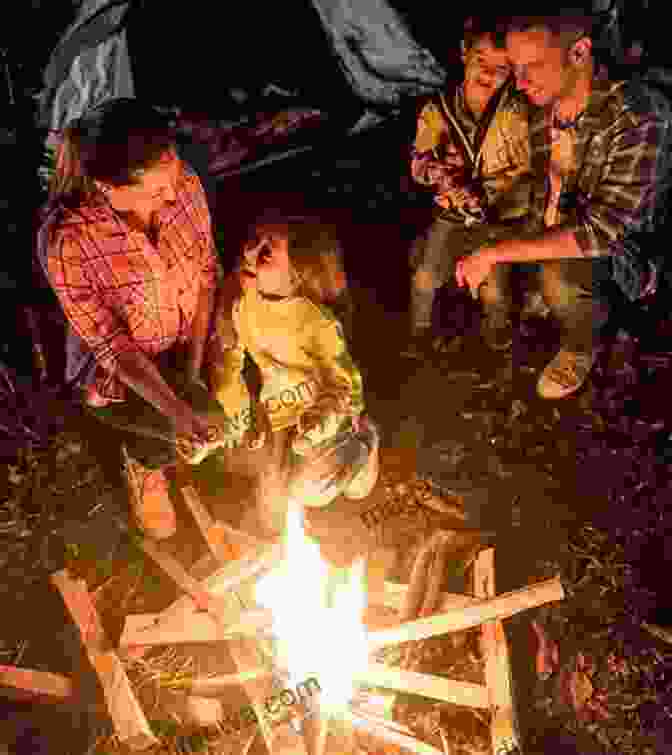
point(425, 685)
point(457, 620)
point(503, 728)
point(130, 725)
point(24, 684)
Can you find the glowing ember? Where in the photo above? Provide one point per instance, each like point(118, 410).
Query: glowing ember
point(318, 622)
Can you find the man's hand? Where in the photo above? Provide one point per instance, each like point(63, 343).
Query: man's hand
point(473, 270)
point(187, 424)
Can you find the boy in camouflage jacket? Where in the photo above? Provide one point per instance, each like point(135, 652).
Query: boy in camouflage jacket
point(472, 148)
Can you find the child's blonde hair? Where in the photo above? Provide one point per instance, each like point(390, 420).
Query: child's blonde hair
point(315, 254)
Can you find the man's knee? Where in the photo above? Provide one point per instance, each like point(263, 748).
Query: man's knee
point(424, 280)
point(562, 286)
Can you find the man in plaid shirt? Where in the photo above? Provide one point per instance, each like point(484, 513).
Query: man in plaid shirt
point(600, 155)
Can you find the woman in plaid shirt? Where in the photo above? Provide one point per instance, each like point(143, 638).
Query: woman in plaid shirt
point(127, 247)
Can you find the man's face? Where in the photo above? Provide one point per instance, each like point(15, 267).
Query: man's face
point(540, 65)
point(485, 67)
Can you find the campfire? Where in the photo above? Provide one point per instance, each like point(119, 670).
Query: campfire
point(292, 621)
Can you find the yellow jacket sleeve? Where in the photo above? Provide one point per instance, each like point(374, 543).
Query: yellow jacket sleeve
point(340, 381)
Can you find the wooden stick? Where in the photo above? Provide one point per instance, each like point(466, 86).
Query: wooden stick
point(378, 731)
point(147, 629)
point(394, 594)
point(282, 739)
point(503, 728)
point(216, 686)
point(227, 578)
point(174, 569)
point(37, 686)
point(217, 534)
point(425, 685)
point(457, 620)
point(130, 725)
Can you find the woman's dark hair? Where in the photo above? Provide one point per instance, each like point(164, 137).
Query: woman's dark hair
point(111, 143)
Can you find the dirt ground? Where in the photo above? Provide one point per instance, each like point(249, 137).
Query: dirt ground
point(579, 487)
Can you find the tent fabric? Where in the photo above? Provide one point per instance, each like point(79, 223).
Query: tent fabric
point(90, 64)
point(124, 47)
point(380, 58)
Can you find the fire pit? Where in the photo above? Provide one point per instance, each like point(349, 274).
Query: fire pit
point(306, 639)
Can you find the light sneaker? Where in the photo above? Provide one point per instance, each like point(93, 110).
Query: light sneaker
point(150, 501)
point(565, 374)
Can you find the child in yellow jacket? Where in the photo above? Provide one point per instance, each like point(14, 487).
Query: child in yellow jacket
point(318, 444)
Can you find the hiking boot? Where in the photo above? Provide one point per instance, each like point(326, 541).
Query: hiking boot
point(419, 345)
point(565, 374)
point(497, 331)
point(150, 502)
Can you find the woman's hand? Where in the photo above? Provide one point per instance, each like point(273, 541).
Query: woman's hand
point(473, 270)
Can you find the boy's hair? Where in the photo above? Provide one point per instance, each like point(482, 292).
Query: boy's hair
point(476, 27)
point(567, 25)
point(315, 253)
point(109, 143)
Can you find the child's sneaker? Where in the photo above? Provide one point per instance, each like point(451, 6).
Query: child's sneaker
point(365, 480)
point(565, 374)
point(150, 502)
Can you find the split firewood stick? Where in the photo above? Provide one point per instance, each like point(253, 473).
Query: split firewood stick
point(34, 686)
point(174, 569)
point(228, 578)
point(390, 736)
point(130, 725)
point(417, 583)
point(282, 739)
point(147, 629)
point(216, 686)
point(435, 576)
point(503, 726)
point(204, 521)
point(425, 685)
point(394, 594)
point(217, 534)
point(457, 620)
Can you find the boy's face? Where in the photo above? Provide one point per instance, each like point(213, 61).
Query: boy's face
point(485, 68)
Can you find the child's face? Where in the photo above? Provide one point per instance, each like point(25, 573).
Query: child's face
point(486, 68)
point(267, 258)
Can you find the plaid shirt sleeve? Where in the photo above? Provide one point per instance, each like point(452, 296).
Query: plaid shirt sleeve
point(626, 193)
point(209, 261)
point(103, 331)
